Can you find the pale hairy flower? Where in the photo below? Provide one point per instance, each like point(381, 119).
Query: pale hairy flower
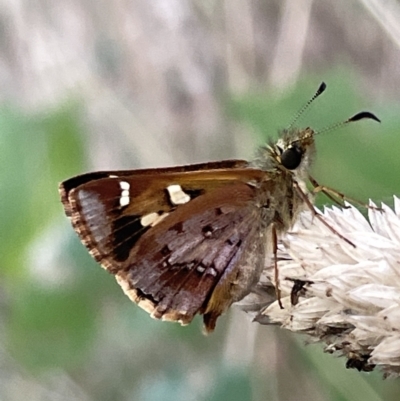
point(348, 297)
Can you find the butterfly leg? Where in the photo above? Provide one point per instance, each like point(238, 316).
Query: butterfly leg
point(333, 195)
point(323, 189)
point(318, 215)
point(276, 271)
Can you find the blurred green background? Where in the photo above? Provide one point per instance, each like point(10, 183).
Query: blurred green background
point(115, 85)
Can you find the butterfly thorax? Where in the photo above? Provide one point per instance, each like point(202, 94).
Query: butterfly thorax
point(286, 163)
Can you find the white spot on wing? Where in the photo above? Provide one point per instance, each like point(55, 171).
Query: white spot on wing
point(149, 219)
point(200, 269)
point(177, 196)
point(124, 185)
point(124, 200)
point(152, 219)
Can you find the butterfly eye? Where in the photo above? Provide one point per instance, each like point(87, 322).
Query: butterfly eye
point(291, 157)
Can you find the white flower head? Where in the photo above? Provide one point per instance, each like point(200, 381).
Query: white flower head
point(345, 296)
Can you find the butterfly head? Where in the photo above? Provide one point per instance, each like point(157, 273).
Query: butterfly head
point(293, 152)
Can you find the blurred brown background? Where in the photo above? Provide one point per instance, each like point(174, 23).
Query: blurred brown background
point(127, 84)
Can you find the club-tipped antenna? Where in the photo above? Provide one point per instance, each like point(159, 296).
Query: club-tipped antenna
point(319, 91)
point(357, 117)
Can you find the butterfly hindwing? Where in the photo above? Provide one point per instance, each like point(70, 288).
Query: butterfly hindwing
point(175, 267)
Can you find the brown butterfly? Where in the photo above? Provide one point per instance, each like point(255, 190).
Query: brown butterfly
point(193, 240)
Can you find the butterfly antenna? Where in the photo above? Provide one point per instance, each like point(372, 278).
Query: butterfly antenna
point(319, 91)
point(357, 117)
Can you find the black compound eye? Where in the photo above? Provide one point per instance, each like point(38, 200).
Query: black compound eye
point(291, 157)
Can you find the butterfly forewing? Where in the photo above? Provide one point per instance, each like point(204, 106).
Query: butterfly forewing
point(169, 235)
point(191, 169)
